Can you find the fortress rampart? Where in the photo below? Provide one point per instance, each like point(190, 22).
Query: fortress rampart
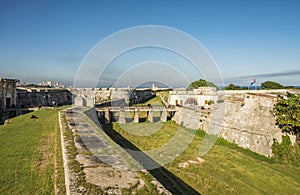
point(245, 117)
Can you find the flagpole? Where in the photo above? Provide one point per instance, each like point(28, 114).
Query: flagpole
point(248, 83)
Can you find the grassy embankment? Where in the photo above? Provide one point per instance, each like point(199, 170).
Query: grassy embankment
point(227, 168)
point(30, 155)
point(156, 101)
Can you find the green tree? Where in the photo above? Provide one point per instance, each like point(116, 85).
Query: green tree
point(290, 87)
point(271, 85)
point(287, 112)
point(200, 83)
point(232, 87)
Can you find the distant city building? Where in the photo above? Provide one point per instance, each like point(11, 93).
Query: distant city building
point(196, 97)
point(46, 83)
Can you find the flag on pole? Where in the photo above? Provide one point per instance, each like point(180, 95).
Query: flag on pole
point(254, 81)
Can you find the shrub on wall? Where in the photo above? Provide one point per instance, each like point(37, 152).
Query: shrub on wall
point(287, 113)
point(285, 151)
point(220, 101)
point(210, 102)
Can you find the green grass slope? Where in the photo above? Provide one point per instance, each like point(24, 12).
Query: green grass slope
point(30, 152)
point(226, 168)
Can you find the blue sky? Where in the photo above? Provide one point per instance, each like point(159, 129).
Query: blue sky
point(47, 40)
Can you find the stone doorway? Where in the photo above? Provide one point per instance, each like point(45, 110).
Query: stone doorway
point(8, 102)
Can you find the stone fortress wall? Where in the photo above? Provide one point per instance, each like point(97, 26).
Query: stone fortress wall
point(8, 93)
point(8, 97)
point(110, 96)
point(245, 117)
point(188, 118)
point(15, 100)
point(38, 97)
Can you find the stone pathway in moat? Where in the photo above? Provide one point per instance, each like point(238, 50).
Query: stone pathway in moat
point(101, 164)
point(103, 161)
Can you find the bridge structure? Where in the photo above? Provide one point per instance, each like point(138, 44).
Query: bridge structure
point(106, 114)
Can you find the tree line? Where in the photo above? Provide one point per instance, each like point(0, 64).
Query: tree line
point(264, 85)
point(231, 86)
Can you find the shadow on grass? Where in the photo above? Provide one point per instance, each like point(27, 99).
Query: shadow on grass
point(171, 182)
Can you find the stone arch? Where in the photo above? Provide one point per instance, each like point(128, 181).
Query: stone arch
point(191, 101)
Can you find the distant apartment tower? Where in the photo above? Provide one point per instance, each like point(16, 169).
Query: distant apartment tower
point(8, 93)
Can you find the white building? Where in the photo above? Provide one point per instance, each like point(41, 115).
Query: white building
point(197, 97)
point(46, 83)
